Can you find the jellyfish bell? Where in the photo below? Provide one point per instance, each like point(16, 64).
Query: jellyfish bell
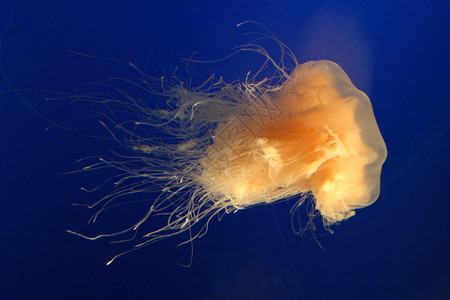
point(223, 147)
point(321, 137)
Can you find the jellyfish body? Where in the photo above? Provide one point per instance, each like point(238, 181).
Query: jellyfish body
point(221, 147)
point(317, 133)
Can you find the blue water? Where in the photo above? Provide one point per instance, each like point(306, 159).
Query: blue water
point(395, 51)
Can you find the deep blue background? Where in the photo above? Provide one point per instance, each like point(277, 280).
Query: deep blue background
point(398, 248)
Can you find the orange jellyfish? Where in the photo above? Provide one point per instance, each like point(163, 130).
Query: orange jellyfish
point(220, 147)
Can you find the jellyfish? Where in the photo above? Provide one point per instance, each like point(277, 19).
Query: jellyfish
point(305, 133)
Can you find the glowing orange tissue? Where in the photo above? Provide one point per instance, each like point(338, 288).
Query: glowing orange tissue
point(318, 134)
